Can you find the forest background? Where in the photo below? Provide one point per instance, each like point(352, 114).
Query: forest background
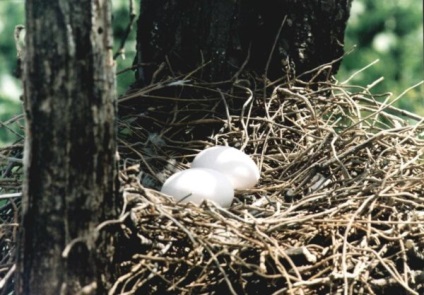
point(388, 31)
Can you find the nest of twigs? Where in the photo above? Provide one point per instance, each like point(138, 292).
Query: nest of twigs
point(11, 174)
point(339, 208)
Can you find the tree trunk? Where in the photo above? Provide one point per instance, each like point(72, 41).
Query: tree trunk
point(70, 165)
point(273, 37)
point(231, 41)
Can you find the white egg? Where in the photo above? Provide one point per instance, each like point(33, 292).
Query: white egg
point(233, 163)
point(198, 184)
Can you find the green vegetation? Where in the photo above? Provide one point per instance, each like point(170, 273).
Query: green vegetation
point(121, 21)
point(11, 14)
point(391, 31)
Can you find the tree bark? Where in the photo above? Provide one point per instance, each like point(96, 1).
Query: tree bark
point(70, 165)
point(273, 37)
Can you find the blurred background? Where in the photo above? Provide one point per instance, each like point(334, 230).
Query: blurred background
point(389, 31)
point(392, 32)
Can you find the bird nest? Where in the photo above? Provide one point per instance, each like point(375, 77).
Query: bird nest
point(339, 208)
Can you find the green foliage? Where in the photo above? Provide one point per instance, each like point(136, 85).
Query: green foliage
point(10, 130)
point(391, 31)
point(11, 14)
point(121, 20)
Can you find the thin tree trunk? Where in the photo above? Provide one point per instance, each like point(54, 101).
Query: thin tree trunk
point(70, 106)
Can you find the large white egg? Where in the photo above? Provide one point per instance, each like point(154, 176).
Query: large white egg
point(233, 163)
point(198, 184)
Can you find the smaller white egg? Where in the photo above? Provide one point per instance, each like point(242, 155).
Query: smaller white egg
point(198, 184)
point(240, 169)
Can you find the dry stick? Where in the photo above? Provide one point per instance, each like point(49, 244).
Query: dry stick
point(149, 168)
point(10, 196)
point(15, 219)
point(394, 275)
point(284, 223)
point(142, 92)
point(199, 68)
point(132, 16)
point(319, 71)
point(11, 147)
point(369, 222)
point(389, 238)
point(157, 71)
point(12, 159)
point(333, 148)
point(133, 67)
point(122, 279)
point(264, 149)
point(243, 66)
point(11, 130)
point(10, 272)
point(12, 120)
point(227, 111)
point(355, 149)
point(162, 84)
point(139, 281)
point(221, 269)
point(234, 229)
point(302, 97)
point(370, 86)
point(328, 64)
point(417, 276)
point(269, 62)
point(243, 122)
point(352, 104)
point(406, 268)
point(347, 230)
point(360, 71)
point(134, 272)
point(276, 260)
point(391, 108)
point(196, 240)
point(345, 237)
point(383, 107)
point(90, 238)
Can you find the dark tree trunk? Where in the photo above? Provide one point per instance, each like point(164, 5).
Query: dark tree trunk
point(189, 33)
point(226, 41)
point(70, 106)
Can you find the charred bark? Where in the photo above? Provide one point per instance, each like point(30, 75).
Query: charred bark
point(70, 184)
